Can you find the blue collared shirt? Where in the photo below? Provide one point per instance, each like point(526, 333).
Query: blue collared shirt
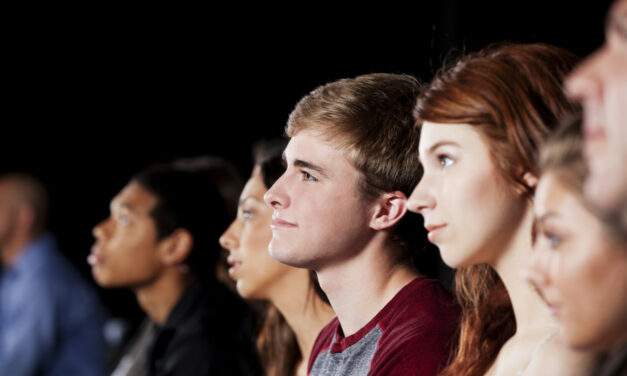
point(50, 317)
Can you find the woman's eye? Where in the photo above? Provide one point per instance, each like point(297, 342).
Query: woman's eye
point(247, 214)
point(445, 160)
point(620, 28)
point(307, 176)
point(554, 240)
point(124, 220)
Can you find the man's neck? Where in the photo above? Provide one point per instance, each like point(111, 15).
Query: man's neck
point(360, 287)
point(159, 298)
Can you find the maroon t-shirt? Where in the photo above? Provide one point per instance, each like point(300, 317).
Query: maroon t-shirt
point(412, 335)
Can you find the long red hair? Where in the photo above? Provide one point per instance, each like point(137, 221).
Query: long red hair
point(513, 95)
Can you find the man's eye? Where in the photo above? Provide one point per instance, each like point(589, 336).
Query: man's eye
point(307, 176)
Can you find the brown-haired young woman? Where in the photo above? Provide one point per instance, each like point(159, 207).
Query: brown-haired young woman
point(579, 263)
point(482, 120)
point(296, 310)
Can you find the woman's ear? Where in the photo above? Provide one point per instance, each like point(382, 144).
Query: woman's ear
point(176, 247)
point(527, 182)
point(530, 179)
point(388, 210)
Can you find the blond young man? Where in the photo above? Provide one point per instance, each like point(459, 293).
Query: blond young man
point(339, 209)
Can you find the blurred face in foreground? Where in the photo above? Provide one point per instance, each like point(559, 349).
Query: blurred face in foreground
point(600, 84)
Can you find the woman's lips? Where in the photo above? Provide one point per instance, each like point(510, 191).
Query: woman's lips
point(234, 265)
point(433, 231)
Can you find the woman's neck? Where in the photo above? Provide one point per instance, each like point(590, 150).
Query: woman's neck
point(530, 311)
point(304, 311)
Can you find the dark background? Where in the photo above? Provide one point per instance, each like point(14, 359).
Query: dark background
point(92, 96)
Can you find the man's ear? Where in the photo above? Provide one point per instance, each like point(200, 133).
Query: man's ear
point(175, 248)
point(389, 208)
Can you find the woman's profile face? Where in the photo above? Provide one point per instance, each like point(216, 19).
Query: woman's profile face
point(470, 211)
point(579, 271)
point(256, 273)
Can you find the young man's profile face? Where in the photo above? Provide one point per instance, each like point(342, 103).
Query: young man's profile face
point(319, 215)
point(126, 250)
point(600, 83)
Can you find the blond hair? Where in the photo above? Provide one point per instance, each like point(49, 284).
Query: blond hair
point(370, 117)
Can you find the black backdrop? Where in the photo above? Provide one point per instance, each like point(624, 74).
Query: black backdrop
point(93, 95)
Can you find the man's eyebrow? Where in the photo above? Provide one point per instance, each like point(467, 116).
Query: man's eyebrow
point(311, 166)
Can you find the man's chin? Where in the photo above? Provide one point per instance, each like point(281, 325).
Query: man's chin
point(284, 256)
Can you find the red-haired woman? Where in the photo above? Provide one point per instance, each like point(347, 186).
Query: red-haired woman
point(482, 120)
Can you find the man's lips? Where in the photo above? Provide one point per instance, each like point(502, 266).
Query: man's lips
point(593, 133)
point(555, 309)
point(280, 223)
point(95, 256)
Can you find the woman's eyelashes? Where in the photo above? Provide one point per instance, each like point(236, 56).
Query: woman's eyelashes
point(552, 239)
point(444, 160)
point(245, 213)
point(551, 236)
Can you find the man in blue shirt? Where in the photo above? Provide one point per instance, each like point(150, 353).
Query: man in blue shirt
point(50, 318)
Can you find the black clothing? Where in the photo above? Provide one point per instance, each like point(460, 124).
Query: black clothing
point(209, 332)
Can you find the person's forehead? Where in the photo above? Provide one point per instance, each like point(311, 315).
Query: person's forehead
point(254, 186)
point(618, 12)
point(435, 133)
point(307, 144)
point(134, 197)
point(4, 186)
point(549, 189)
point(320, 154)
point(8, 189)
